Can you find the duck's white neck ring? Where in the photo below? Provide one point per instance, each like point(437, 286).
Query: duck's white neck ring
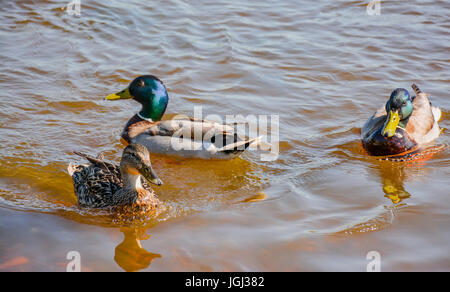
point(146, 119)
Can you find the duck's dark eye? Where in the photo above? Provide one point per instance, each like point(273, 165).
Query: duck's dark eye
point(141, 83)
point(132, 154)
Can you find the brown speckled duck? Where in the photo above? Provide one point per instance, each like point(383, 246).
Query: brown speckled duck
point(403, 126)
point(101, 184)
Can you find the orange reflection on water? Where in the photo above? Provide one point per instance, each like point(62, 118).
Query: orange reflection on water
point(129, 254)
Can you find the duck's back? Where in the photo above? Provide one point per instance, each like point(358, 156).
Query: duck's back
point(422, 125)
point(188, 138)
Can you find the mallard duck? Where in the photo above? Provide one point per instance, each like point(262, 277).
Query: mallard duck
point(101, 184)
point(187, 137)
point(403, 126)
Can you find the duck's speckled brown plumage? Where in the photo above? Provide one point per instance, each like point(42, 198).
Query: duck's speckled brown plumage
point(101, 184)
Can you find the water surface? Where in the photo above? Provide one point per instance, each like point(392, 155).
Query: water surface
point(324, 67)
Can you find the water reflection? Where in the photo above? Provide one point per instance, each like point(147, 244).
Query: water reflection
point(129, 254)
point(394, 174)
point(393, 178)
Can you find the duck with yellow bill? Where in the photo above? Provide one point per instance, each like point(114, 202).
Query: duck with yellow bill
point(404, 125)
point(186, 137)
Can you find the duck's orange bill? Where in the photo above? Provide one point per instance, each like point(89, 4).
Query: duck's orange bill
point(124, 142)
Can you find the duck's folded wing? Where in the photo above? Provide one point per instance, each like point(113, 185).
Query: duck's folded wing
point(240, 145)
point(193, 130)
point(100, 163)
point(99, 182)
point(192, 119)
point(224, 137)
point(374, 122)
point(101, 186)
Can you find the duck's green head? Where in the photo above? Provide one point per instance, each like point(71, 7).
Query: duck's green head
point(149, 91)
point(399, 108)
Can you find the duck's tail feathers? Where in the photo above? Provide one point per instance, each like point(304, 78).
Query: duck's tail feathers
point(416, 89)
point(437, 113)
point(87, 157)
point(240, 145)
point(96, 161)
point(71, 168)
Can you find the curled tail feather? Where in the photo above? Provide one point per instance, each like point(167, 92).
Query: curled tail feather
point(416, 89)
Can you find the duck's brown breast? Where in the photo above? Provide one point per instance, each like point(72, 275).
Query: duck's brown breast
point(378, 145)
point(134, 127)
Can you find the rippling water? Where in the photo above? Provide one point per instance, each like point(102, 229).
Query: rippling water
point(322, 66)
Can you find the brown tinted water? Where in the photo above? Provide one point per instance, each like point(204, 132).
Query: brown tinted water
point(323, 66)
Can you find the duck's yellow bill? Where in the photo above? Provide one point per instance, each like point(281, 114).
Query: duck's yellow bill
point(124, 94)
point(390, 126)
